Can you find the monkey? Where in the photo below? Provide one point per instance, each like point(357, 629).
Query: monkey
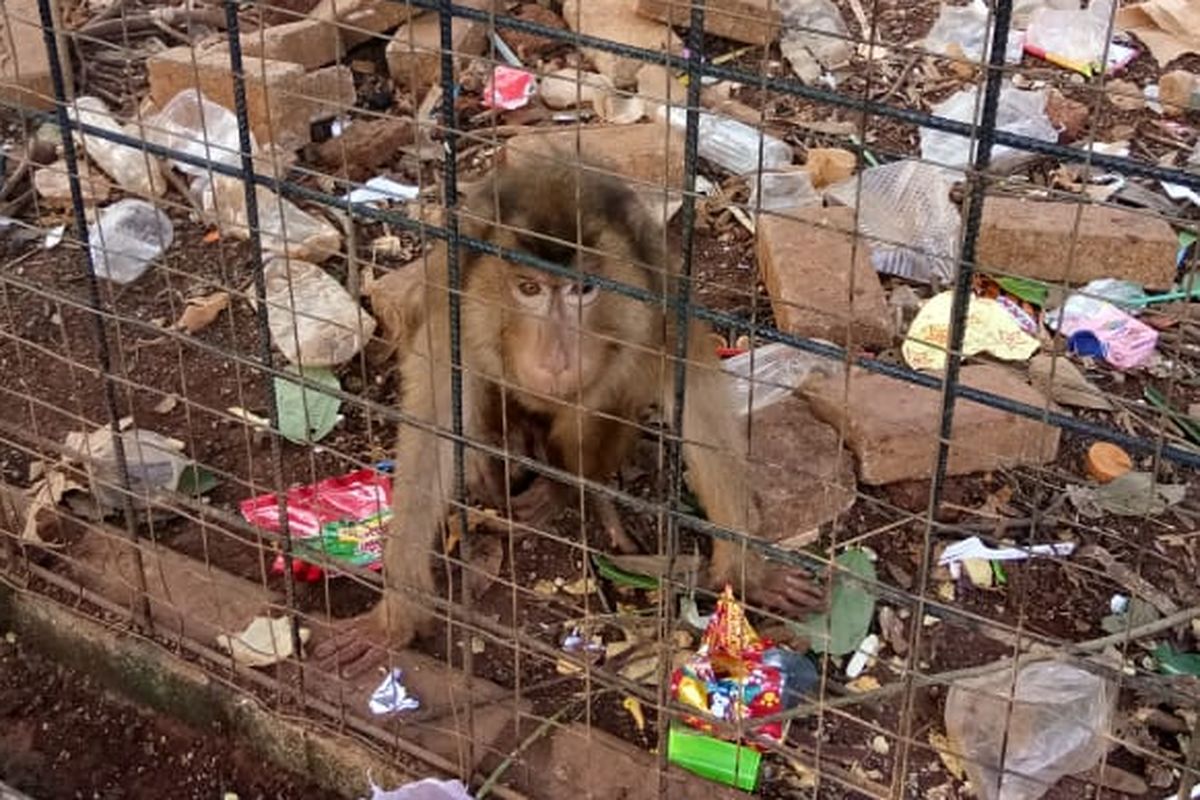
point(572, 368)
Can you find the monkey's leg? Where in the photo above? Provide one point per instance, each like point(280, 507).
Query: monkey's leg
point(714, 448)
point(610, 518)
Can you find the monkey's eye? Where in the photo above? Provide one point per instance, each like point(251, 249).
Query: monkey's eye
point(585, 291)
point(529, 288)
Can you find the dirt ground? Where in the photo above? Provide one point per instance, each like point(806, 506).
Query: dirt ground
point(51, 387)
point(63, 736)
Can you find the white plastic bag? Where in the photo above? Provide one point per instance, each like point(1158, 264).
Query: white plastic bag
point(1056, 726)
point(779, 370)
point(1021, 113)
point(1074, 34)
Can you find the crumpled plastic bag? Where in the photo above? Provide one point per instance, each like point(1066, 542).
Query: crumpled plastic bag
point(967, 27)
point(1021, 113)
point(1073, 34)
point(428, 789)
point(1056, 726)
point(990, 328)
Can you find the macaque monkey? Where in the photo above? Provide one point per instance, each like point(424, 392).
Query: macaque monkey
point(559, 371)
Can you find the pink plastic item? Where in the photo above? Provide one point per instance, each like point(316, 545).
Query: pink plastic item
point(508, 88)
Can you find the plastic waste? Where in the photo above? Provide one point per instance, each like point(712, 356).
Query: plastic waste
point(733, 145)
point(1071, 34)
point(134, 169)
point(191, 123)
point(778, 371)
point(814, 36)
point(509, 88)
point(966, 28)
point(716, 760)
point(1055, 726)
point(798, 671)
point(127, 237)
point(264, 642)
point(1095, 327)
point(427, 789)
point(1127, 295)
point(1023, 9)
point(773, 191)
point(905, 208)
point(153, 461)
point(990, 328)
point(391, 696)
point(285, 228)
point(314, 322)
point(1020, 112)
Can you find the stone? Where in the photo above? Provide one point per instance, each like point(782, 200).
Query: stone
point(828, 165)
point(749, 21)
point(892, 425)
point(283, 99)
point(1069, 117)
point(364, 146)
point(414, 55)
point(53, 184)
point(1179, 91)
point(1125, 95)
point(360, 20)
point(24, 63)
point(804, 255)
point(802, 478)
point(311, 43)
point(1035, 240)
point(618, 21)
point(530, 47)
point(648, 153)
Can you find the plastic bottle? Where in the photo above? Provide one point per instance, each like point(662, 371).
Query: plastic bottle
point(716, 760)
point(134, 169)
point(734, 145)
point(127, 237)
point(313, 320)
point(780, 190)
point(285, 228)
point(193, 124)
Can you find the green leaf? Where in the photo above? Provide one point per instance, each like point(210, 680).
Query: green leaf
point(195, 480)
point(1171, 662)
point(999, 574)
point(610, 571)
point(306, 416)
point(1027, 289)
point(850, 611)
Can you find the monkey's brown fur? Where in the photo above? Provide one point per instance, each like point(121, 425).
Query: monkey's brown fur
point(582, 374)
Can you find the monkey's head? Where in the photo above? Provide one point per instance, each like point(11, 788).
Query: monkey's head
point(562, 335)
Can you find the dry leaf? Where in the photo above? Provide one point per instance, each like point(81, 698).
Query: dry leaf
point(167, 404)
point(979, 571)
point(580, 587)
point(45, 493)
point(202, 312)
point(945, 751)
point(634, 707)
point(863, 683)
point(1070, 387)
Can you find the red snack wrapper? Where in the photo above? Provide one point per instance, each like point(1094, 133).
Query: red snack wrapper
point(508, 88)
point(726, 676)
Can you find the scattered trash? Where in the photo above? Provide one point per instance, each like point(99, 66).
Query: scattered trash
point(1020, 112)
point(863, 655)
point(306, 416)
point(947, 753)
point(1119, 603)
point(1055, 724)
point(192, 124)
point(134, 169)
point(848, 620)
point(54, 237)
point(775, 191)
point(153, 461)
point(1171, 662)
point(778, 370)
point(798, 671)
point(126, 239)
point(200, 312)
point(1095, 327)
point(427, 789)
point(634, 708)
point(568, 87)
point(814, 37)
point(1168, 27)
point(1134, 494)
point(264, 642)
point(509, 88)
point(973, 548)
point(734, 145)
point(1106, 462)
point(1071, 36)
point(313, 320)
point(342, 518)
point(990, 328)
point(1128, 615)
point(906, 210)
point(390, 697)
point(381, 189)
point(966, 29)
point(726, 676)
point(1065, 383)
point(718, 761)
point(223, 199)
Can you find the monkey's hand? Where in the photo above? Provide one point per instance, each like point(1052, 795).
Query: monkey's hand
point(354, 647)
point(791, 591)
point(540, 503)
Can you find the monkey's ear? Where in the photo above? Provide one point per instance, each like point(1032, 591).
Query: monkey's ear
point(477, 201)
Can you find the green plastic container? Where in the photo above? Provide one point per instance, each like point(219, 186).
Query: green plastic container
point(714, 759)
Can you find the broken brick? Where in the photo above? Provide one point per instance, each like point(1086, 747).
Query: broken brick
point(414, 55)
point(360, 20)
point(1037, 239)
point(24, 63)
point(649, 153)
point(618, 21)
point(1069, 117)
point(1178, 91)
point(310, 43)
point(893, 425)
point(749, 21)
point(283, 99)
point(807, 257)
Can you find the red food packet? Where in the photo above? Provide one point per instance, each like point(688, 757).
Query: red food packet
point(508, 88)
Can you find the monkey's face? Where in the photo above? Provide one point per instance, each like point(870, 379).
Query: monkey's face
point(550, 341)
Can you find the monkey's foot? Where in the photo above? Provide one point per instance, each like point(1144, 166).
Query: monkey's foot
point(540, 503)
point(610, 518)
point(352, 648)
point(790, 591)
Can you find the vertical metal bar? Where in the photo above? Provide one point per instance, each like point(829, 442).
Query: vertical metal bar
point(141, 610)
point(682, 305)
point(260, 292)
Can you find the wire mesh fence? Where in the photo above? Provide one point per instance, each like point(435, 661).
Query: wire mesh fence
point(866, 326)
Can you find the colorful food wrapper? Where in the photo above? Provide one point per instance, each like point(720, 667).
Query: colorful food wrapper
point(508, 88)
point(342, 518)
point(991, 328)
point(726, 677)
